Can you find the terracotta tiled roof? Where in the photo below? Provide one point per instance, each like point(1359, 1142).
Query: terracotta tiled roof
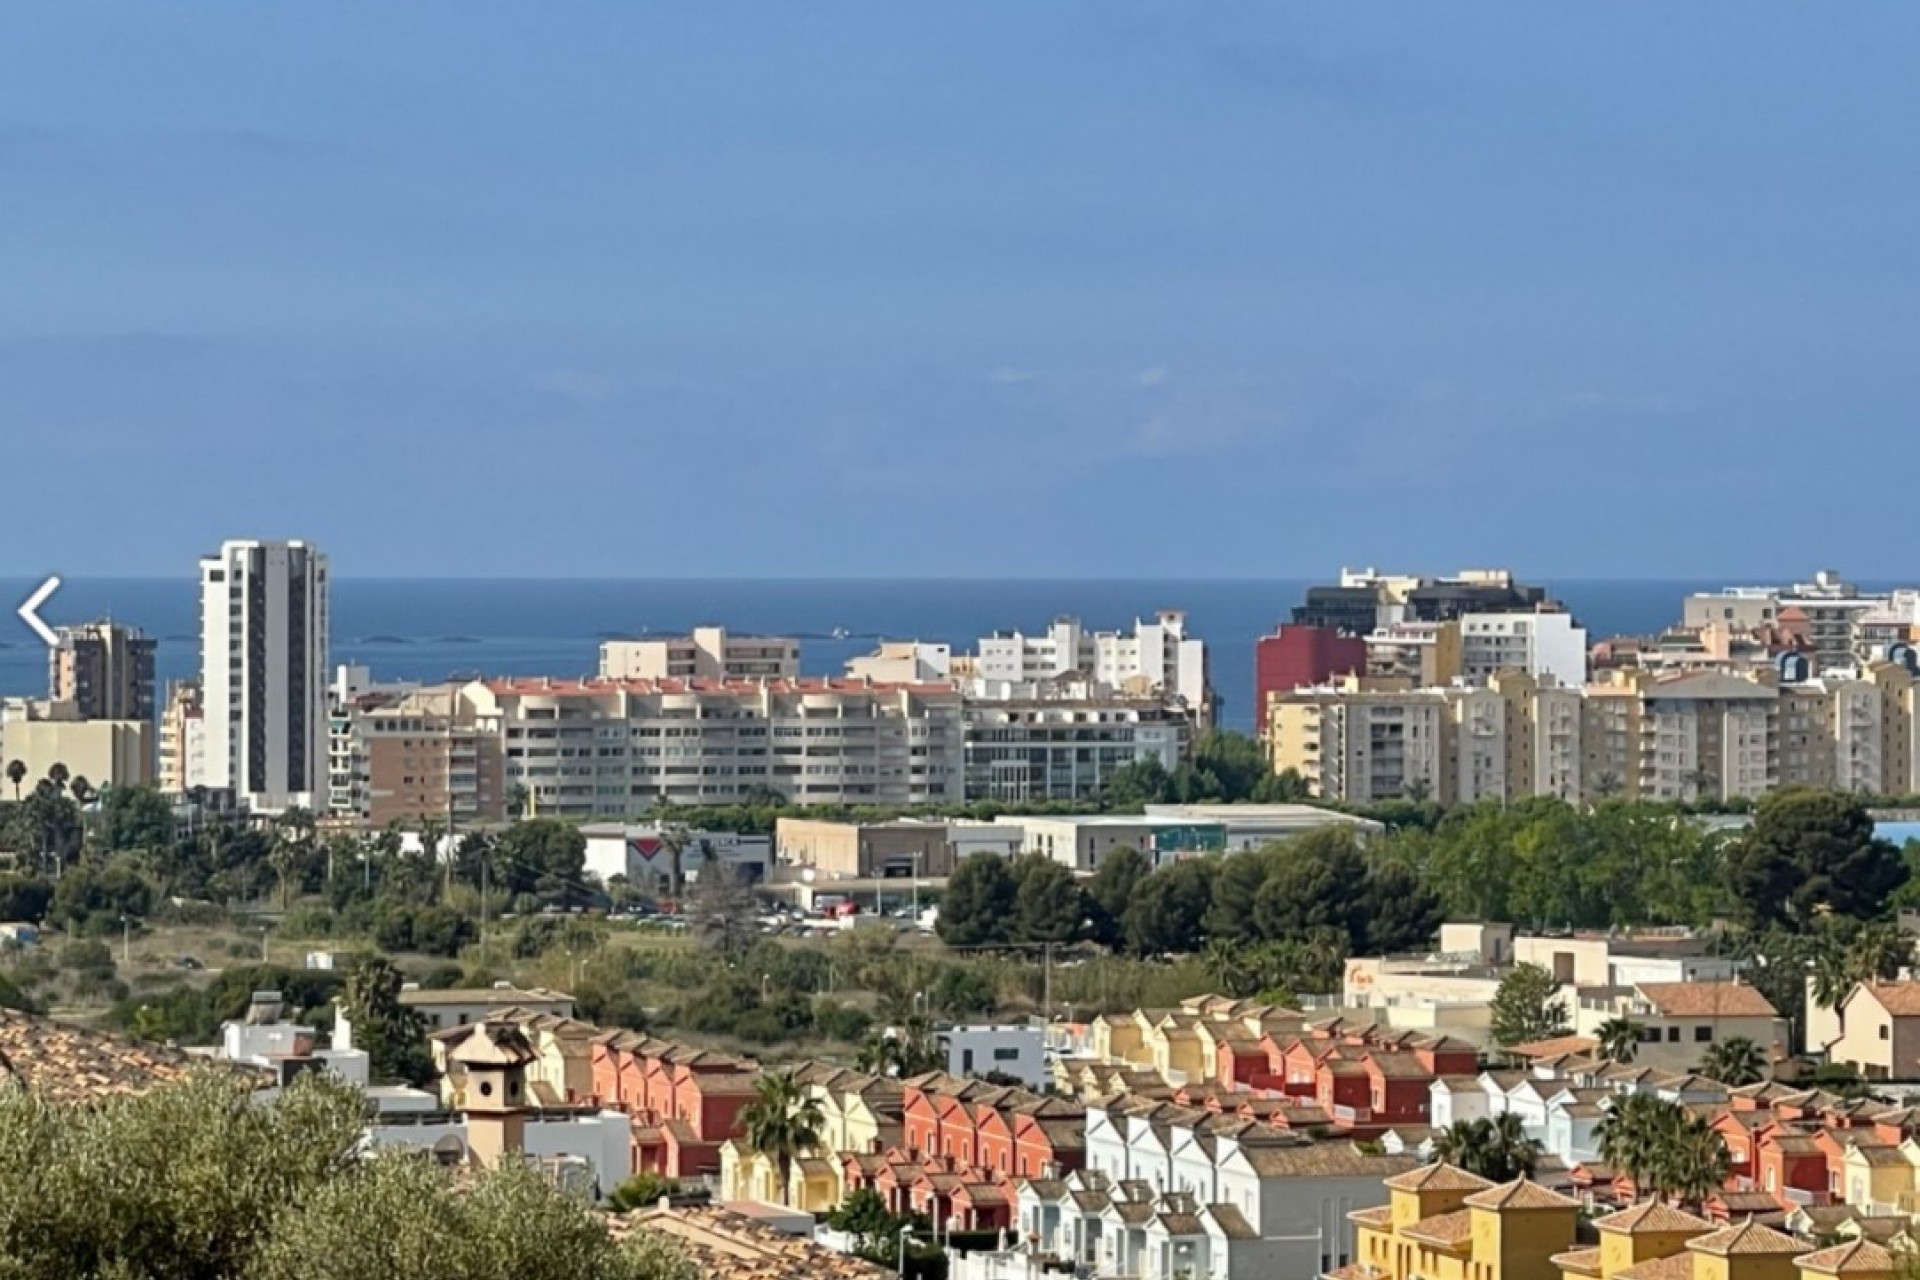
point(1438, 1177)
point(1521, 1193)
point(1651, 1216)
point(1378, 1216)
point(723, 1245)
point(1706, 999)
point(1321, 1160)
point(68, 1063)
point(1581, 1261)
point(1677, 1267)
point(1556, 1046)
point(1855, 1258)
point(1450, 1229)
point(1901, 999)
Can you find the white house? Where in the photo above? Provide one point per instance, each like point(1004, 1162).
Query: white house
point(1013, 1049)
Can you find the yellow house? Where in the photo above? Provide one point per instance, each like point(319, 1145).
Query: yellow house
point(813, 1183)
point(1121, 1037)
point(1443, 1223)
point(1876, 1175)
point(562, 1067)
point(1748, 1251)
point(1174, 1041)
point(1632, 1239)
point(1858, 1260)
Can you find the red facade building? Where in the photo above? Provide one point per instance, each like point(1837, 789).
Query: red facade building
point(1296, 656)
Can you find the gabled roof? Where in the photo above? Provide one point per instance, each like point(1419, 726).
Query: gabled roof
point(1521, 1193)
point(1901, 999)
point(1651, 1217)
point(1676, 1267)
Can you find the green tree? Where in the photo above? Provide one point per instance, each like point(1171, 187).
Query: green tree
point(1169, 908)
point(543, 857)
point(1527, 1006)
point(135, 818)
point(1734, 1062)
point(782, 1123)
point(16, 774)
point(1136, 784)
point(977, 907)
point(1049, 904)
point(1809, 852)
point(402, 1218)
point(1110, 890)
point(875, 1230)
point(644, 1190)
point(1496, 1148)
point(902, 1051)
point(1619, 1039)
point(393, 1035)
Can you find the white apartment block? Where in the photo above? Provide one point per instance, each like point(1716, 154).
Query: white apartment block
point(1543, 645)
point(707, 653)
point(263, 661)
point(1157, 657)
point(1842, 623)
point(615, 748)
point(908, 661)
point(1065, 749)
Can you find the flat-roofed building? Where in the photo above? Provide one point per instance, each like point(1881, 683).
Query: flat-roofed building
point(706, 653)
point(107, 753)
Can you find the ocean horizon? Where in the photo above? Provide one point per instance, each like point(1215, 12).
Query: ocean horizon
point(440, 628)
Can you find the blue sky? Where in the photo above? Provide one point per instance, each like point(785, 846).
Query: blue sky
point(990, 288)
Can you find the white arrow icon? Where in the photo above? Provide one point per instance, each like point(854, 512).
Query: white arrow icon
point(30, 611)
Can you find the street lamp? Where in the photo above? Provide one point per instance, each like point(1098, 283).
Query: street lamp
point(126, 939)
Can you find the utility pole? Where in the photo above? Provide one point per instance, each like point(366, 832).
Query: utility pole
point(1046, 962)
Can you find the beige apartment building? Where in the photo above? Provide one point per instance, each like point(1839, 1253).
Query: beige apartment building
point(414, 756)
point(107, 753)
point(182, 725)
point(614, 748)
point(708, 653)
point(1638, 733)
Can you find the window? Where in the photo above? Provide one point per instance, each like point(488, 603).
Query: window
point(1702, 1034)
point(1673, 1035)
point(1006, 1055)
point(1884, 1032)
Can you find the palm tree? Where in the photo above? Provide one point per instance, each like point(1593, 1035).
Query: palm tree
point(1226, 967)
point(16, 774)
point(58, 776)
point(1619, 1039)
point(1692, 1160)
point(517, 797)
point(782, 1122)
point(1878, 951)
point(1629, 1134)
point(292, 832)
point(674, 838)
point(1734, 1062)
point(81, 790)
point(1497, 1149)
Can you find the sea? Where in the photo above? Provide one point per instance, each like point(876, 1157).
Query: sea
point(437, 629)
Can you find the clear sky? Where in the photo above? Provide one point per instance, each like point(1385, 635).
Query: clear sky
point(1095, 288)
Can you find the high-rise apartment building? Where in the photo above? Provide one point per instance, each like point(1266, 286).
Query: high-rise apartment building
point(1157, 657)
point(1548, 645)
point(183, 743)
point(707, 653)
point(263, 662)
point(104, 670)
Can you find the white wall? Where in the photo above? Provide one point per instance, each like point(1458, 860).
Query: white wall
point(1014, 1050)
